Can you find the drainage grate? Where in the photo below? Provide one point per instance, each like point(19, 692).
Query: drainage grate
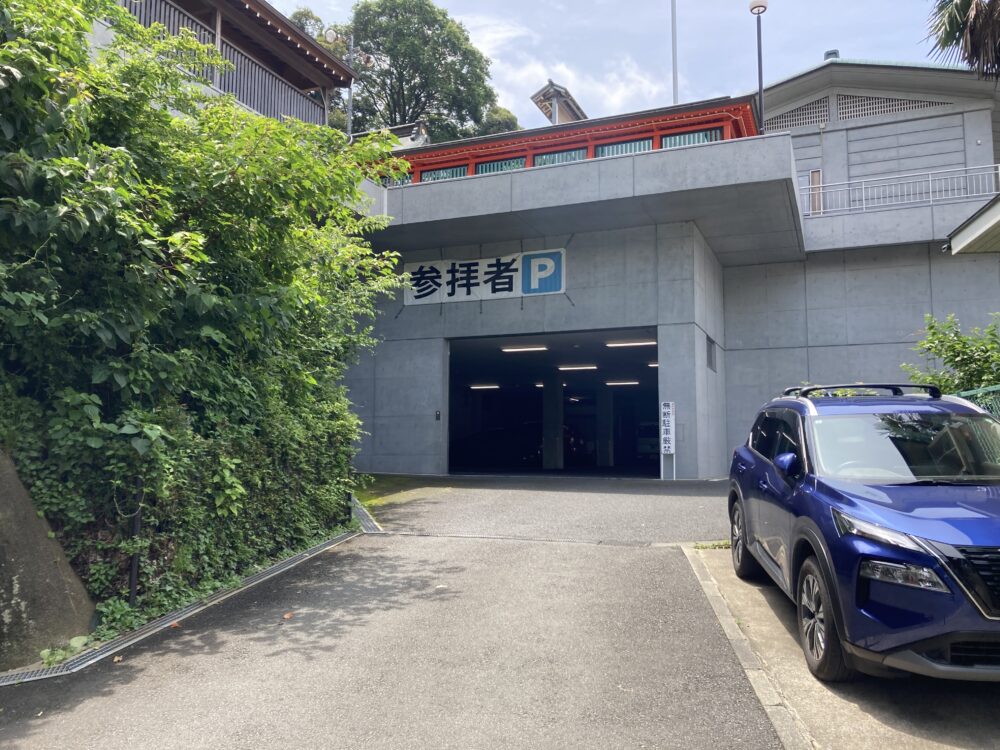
point(85, 659)
point(368, 523)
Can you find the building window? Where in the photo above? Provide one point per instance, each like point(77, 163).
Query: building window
point(448, 173)
point(504, 165)
point(691, 139)
point(627, 147)
point(560, 157)
point(710, 353)
point(406, 179)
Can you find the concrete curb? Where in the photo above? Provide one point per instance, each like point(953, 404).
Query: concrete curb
point(791, 730)
point(368, 523)
point(92, 656)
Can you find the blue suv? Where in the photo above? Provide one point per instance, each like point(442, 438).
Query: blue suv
point(877, 511)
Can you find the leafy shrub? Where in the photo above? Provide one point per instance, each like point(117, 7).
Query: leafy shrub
point(958, 361)
point(182, 284)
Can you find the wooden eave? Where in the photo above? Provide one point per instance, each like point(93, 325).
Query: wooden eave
point(269, 28)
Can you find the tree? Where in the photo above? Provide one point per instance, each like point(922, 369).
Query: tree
point(182, 285)
point(308, 22)
point(967, 31)
point(497, 120)
point(423, 67)
point(957, 361)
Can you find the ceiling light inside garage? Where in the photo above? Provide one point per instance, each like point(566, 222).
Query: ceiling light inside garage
point(510, 349)
point(622, 382)
point(620, 344)
point(485, 387)
point(571, 368)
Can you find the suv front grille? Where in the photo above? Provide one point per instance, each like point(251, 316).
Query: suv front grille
point(975, 653)
point(966, 654)
point(979, 568)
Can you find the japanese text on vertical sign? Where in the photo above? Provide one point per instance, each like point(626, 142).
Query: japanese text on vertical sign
point(667, 412)
point(498, 277)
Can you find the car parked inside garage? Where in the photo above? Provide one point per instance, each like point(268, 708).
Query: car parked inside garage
point(877, 510)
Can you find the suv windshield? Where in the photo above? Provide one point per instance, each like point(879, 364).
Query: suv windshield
point(907, 447)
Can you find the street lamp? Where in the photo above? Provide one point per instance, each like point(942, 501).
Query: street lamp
point(332, 37)
point(758, 7)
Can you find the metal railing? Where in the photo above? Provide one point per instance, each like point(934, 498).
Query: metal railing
point(263, 91)
point(925, 188)
point(249, 81)
point(987, 398)
point(173, 18)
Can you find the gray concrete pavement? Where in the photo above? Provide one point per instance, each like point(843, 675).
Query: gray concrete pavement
point(869, 713)
point(424, 642)
point(545, 507)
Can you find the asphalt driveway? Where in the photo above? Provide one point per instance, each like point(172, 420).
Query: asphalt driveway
point(586, 629)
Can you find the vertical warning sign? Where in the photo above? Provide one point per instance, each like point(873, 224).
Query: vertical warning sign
point(667, 411)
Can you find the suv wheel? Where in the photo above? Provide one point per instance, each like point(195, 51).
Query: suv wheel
point(817, 628)
point(744, 564)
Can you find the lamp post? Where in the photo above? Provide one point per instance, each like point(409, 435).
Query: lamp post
point(758, 7)
point(673, 43)
point(332, 37)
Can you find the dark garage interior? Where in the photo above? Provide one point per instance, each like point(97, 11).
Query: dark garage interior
point(513, 410)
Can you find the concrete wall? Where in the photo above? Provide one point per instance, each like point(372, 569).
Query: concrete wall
point(956, 135)
point(918, 145)
point(842, 316)
point(42, 602)
point(654, 275)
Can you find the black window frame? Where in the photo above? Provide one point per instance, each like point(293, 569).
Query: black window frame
point(790, 417)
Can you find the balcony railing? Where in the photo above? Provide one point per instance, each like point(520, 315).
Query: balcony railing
point(249, 81)
point(263, 91)
point(927, 188)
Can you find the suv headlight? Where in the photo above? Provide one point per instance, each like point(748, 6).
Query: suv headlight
point(847, 525)
point(916, 576)
point(904, 574)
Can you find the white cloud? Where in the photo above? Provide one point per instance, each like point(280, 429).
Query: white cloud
point(493, 36)
point(621, 86)
point(521, 67)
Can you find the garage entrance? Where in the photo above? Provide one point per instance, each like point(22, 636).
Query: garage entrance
point(578, 403)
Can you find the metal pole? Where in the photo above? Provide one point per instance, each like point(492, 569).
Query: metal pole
point(350, 89)
point(673, 43)
point(133, 574)
point(760, 80)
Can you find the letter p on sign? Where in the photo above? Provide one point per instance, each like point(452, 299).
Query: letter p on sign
point(542, 273)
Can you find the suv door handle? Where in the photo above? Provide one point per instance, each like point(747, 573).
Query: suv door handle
point(763, 485)
point(740, 468)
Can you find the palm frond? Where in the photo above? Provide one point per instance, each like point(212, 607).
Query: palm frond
point(968, 32)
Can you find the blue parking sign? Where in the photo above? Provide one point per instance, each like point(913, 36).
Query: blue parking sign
point(542, 273)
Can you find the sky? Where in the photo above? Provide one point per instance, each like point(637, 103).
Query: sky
point(614, 55)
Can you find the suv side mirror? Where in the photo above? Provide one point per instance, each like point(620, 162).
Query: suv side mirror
point(788, 464)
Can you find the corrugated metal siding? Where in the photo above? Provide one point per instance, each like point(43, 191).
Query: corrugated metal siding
point(692, 139)
point(504, 165)
point(448, 173)
point(560, 157)
point(924, 145)
point(620, 149)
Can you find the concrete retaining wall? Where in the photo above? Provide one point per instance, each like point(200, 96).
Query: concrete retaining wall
point(42, 602)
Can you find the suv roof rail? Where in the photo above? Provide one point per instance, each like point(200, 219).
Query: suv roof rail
point(896, 389)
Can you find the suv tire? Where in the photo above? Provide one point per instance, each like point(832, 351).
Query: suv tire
point(744, 563)
point(818, 633)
